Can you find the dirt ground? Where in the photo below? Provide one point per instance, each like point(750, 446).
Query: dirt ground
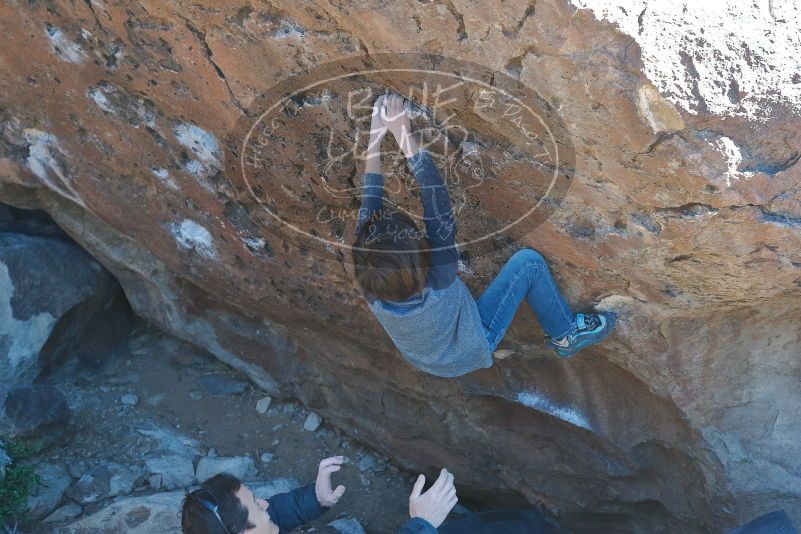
point(164, 374)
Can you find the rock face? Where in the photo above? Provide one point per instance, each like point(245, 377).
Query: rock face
point(102, 481)
point(5, 461)
point(126, 122)
point(59, 306)
point(154, 514)
point(241, 467)
point(36, 294)
point(38, 411)
point(175, 471)
point(52, 482)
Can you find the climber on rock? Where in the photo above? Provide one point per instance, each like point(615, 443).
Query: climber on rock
point(224, 505)
point(410, 281)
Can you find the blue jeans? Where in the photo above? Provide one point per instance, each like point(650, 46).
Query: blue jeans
point(525, 275)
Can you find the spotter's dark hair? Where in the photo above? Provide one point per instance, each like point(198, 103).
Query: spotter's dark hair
point(196, 519)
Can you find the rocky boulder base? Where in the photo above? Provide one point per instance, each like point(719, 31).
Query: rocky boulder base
point(53, 479)
point(38, 411)
point(682, 215)
point(43, 279)
point(63, 313)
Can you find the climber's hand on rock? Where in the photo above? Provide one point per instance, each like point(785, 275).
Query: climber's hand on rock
point(435, 504)
point(378, 129)
point(322, 487)
point(396, 118)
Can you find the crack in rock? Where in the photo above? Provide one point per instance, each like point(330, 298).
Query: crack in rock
point(515, 31)
point(461, 33)
point(201, 37)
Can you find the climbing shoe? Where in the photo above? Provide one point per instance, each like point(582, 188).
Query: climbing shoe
point(590, 328)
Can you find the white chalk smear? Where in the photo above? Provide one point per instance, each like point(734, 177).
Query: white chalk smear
point(731, 57)
point(288, 30)
point(100, 99)
point(112, 99)
point(192, 236)
point(63, 47)
point(202, 143)
point(193, 166)
point(733, 158)
point(161, 172)
point(539, 402)
point(44, 160)
point(164, 175)
point(205, 148)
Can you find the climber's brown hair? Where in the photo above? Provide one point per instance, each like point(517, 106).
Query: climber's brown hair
point(391, 257)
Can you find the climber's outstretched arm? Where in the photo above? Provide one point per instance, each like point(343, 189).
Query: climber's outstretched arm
point(437, 211)
point(373, 181)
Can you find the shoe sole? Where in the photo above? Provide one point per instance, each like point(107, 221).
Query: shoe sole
point(590, 339)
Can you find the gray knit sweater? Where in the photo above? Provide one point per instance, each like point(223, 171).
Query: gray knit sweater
point(439, 330)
